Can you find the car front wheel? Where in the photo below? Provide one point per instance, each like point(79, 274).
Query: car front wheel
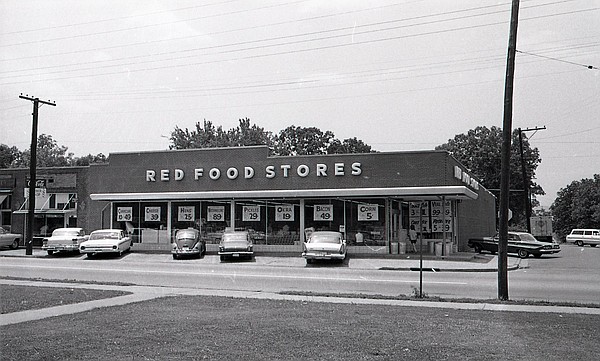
point(15, 244)
point(523, 253)
point(50, 253)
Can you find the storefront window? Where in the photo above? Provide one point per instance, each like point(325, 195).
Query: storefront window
point(215, 219)
point(185, 215)
point(365, 222)
point(269, 222)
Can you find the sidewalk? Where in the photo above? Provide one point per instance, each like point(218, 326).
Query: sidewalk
point(456, 262)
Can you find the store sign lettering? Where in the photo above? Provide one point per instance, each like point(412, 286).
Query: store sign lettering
point(465, 178)
point(270, 172)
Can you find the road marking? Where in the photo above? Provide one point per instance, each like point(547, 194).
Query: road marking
point(234, 275)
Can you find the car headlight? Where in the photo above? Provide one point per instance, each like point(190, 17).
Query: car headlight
point(82, 248)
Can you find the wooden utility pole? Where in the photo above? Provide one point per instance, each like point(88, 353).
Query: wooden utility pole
point(32, 171)
point(505, 166)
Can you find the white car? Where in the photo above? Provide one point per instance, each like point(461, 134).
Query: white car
point(106, 241)
point(327, 245)
point(9, 239)
point(64, 240)
point(582, 237)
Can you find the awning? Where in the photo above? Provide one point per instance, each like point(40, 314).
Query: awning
point(416, 193)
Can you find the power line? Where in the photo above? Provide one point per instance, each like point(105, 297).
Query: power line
point(560, 60)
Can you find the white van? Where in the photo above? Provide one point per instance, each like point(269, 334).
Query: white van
point(582, 237)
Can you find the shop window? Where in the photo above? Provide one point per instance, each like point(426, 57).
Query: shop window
point(215, 219)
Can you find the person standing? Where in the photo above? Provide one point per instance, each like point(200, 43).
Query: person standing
point(412, 235)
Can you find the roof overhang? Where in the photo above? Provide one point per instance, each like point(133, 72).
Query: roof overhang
point(408, 193)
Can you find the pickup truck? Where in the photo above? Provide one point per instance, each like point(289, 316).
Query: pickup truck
point(521, 243)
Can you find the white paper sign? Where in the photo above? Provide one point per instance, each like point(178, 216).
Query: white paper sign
point(425, 224)
point(215, 213)
point(152, 214)
point(368, 212)
point(250, 213)
point(284, 213)
point(186, 213)
point(124, 214)
point(441, 215)
point(323, 212)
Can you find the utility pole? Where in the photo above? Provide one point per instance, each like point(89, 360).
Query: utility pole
point(505, 165)
point(526, 191)
point(32, 171)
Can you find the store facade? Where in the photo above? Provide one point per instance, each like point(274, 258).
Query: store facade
point(371, 198)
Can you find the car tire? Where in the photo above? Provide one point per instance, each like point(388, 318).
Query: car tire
point(222, 258)
point(593, 245)
point(15, 244)
point(579, 243)
point(90, 255)
point(50, 253)
point(309, 261)
point(537, 255)
point(523, 253)
point(175, 256)
point(478, 248)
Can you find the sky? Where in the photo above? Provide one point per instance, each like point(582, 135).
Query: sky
point(398, 74)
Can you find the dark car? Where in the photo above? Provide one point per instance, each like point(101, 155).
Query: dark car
point(521, 243)
point(236, 245)
point(187, 242)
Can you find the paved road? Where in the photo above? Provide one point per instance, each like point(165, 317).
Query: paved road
point(572, 276)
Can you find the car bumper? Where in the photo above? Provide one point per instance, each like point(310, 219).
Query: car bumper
point(183, 251)
point(236, 254)
point(323, 255)
point(99, 250)
point(61, 247)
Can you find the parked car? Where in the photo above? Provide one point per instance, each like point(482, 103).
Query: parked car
point(9, 239)
point(106, 241)
point(64, 240)
point(236, 244)
point(187, 242)
point(521, 243)
point(582, 237)
point(327, 245)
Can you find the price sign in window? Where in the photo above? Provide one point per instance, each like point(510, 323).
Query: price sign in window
point(186, 213)
point(251, 213)
point(124, 214)
point(368, 212)
point(215, 213)
point(152, 214)
point(323, 212)
point(284, 213)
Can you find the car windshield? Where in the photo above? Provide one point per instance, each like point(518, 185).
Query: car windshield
point(104, 235)
point(186, 235)
point(527, 237)
point(325, 238)
point(65, 232)
point(227, 237)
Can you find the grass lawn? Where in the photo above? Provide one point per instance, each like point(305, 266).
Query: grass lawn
point(219, 328)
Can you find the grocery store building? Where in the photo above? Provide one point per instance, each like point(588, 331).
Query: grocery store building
point(372, 198)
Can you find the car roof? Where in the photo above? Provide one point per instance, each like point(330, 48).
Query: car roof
point(108, 230)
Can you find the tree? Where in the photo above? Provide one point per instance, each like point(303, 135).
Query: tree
point(9, 156)
point(295, 140)
point(480, 151)
point(292, 140)
point(350, 145)
point(90, 159)
point(577, 206)
point(49, 154)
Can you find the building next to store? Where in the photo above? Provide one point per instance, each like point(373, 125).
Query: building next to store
point(372, 198)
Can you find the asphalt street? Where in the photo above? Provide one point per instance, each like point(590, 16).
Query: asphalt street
point(570, 276)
